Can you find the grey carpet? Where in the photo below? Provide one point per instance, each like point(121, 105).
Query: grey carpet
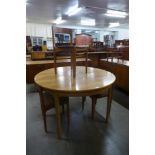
point(84, 136)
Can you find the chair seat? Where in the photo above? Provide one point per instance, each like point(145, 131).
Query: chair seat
point(47, 103)
point(64, 100)
point(49, 100)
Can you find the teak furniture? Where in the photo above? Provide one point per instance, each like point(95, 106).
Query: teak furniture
point(120, 68)
point(64, 84)
point(37, 55)
point(82, 44)
point(34, 67)
point(47, 103)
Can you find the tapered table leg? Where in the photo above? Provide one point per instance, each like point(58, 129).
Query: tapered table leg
point(109, 101)
point(58, 118)
point(94, 99)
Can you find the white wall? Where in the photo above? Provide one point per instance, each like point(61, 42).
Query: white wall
point(39, 30)
point(123, 34)
point(120, 33)
point(45, 30)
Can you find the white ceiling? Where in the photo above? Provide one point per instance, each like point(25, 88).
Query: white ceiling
point(46, 11)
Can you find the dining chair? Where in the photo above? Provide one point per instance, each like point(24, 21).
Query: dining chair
point(94, 101)
point(75, 52)
point(47, 103)
point(83, 43)
point(82, 52)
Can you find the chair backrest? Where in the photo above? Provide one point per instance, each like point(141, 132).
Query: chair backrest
point(60, 47)
point(81, 48)
point(83, 43)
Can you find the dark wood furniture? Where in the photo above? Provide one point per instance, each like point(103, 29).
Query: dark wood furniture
point(60, 47)
point(28, 45)
point(34, 67)
point(124, 42)
point(125, 52)
point(121, 70)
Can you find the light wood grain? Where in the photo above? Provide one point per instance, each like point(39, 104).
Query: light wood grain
point(95, 81)
point(63, 81)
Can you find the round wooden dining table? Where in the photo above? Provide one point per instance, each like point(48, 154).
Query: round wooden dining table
point(63, 83)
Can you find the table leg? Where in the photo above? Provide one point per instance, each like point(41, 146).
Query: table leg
point(109, 101)
point(86, 62)
point(107, 56)
point(55, 63)
point(58, 118)
point(74, 62)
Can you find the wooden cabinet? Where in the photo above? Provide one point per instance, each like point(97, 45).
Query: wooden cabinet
point(121, 71)
point(122, 77)
point(37, 41)
point(32, 70)
point(124, 42)
point(34, 67)
point(37, 55)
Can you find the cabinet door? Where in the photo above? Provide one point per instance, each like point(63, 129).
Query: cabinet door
point(34, 42)
point(40, 41)
point(122, 77)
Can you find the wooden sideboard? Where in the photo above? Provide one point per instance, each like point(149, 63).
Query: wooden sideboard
point(121, 70)
point(34, 67)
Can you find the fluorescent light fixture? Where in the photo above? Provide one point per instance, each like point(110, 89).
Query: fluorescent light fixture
point(88, 21)
point(117, 12)
point(113, 25)
point(88, 31)
point(113, 13)
point(59, 20)
point(73, 10)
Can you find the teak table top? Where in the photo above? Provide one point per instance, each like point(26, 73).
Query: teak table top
point(94, 79)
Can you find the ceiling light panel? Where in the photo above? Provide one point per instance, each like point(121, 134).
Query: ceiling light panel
point(73, 10)
point(113, 25)
point(59, 20)
point(114, 13)
point(88, 22)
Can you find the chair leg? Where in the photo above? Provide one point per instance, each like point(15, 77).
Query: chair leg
point(63, 108)
point(68, 114)
point(45, 125)
point(83, 101)
point(94, 100)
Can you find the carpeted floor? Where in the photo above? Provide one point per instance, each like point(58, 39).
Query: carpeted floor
point(84, 136)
